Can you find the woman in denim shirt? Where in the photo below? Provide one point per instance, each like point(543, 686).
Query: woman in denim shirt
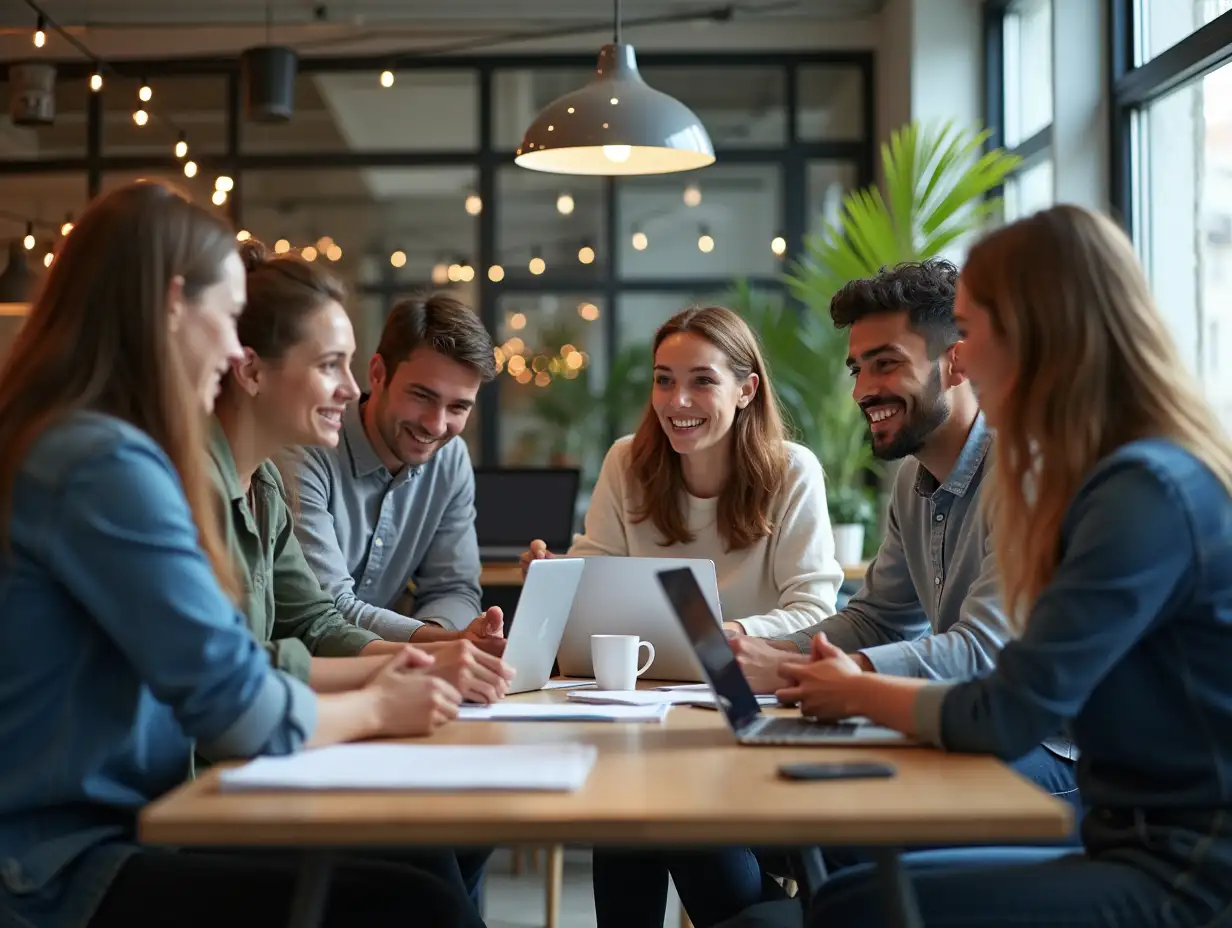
point(1112, 510)
point(120, 645)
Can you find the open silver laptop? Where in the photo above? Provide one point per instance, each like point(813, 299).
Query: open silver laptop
point(619, 596)
point(539, 620)
point(732, 692)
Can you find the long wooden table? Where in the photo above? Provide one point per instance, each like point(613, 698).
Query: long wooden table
point(681, 783)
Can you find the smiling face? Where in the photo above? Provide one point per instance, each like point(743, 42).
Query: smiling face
point(985, 357)
point(696, 393)
point(302, 395)
point(204, 328)
point(897, 385)
point(423, 405)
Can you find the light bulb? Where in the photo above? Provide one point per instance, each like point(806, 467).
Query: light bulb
point(640, 241)
point(588, 311)
point(145, 93)
point(496, 273)
point(308, 253)
point(387, 78)
point(334, 253)
point(586, 254)
point(243, 235)
point(454, 272)
point(617, 153)
point(778, 245)
point(67, 226)
point(218, 197)
point(96, 82)
point(48, 258)
point(466, 273)
point(190, 169)
point(40, 32)
point(181, 148)
point(692, 195)
point(440, 273)
point(474, 205)
point(537, 265)
point(705, 243)
point(282, 246)
point(28, 241)
point(224, 183)
point(564, 204)
point(324, 242)
point(140, 117)
point(517, 321)
point(398, 259)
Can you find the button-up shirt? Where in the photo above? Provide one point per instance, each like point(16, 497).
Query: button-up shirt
point(287, 610)
point(367, 533)
point(930, 605)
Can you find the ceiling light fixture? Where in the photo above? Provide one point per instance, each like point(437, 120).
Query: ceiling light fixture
point(615, 125)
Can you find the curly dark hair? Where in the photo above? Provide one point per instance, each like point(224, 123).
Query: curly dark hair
point(924, 290)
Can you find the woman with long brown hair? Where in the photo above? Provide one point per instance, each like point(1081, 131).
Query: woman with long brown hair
point(121, 648)
point(710, 474)
point(1112, 518)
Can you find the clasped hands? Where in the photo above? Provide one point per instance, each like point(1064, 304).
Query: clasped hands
point(820, 682)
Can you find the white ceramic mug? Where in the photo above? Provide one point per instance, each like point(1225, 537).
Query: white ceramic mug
point(614, 658)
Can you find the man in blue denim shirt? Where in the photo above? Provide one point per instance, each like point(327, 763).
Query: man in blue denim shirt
point(930, 605)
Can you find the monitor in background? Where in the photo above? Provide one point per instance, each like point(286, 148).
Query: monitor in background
point(514, 506)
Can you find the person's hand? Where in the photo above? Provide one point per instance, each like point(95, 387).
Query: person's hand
point(409, 703)
point(823, 685)
point(733, 629)
point(538, 551)
point(759, 660)
point(479, 676)
point(488, 631)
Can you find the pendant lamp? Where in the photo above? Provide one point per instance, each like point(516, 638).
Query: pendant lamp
point(616, 125)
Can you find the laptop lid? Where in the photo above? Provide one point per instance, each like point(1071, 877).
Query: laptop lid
point(732, 692)
point(515, 505)
point(539, 620)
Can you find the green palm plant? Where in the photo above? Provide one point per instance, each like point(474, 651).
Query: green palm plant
point(938, 181)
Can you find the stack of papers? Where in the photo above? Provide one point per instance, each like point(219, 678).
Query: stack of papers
point(563, 712)
point(548, 767)
point(657, 697)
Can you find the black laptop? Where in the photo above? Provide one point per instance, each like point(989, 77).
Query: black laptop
point(731, 690)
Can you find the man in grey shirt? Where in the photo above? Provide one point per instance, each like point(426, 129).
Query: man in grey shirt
point(930, 605)
point(387, 518)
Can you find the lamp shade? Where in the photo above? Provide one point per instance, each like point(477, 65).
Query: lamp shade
point(18, 281)
point(615, 125)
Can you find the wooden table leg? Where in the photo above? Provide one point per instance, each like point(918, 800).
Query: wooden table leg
point(311, 891)
point(554, 884)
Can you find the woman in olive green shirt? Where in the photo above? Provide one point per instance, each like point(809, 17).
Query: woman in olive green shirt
point(291, 389)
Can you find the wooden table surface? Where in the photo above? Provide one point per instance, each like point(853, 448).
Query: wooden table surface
point(493, 574)
point(681, 782)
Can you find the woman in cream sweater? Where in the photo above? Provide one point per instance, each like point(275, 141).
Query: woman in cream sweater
point(710, 474)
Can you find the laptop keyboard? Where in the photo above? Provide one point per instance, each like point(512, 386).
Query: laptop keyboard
point(799, 729)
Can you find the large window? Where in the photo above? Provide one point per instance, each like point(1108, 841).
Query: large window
point(404, 181)
point(1173, 148)
point(1020, 90)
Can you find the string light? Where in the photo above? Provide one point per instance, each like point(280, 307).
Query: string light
point(640, 241)
point(588, 311)
point(224, 183)
point(282, 246)
point(218, 197)
point(564, 204)
point(243, 235)
point(40, 32)
point(67, 226)
point(334, 253)
point(692, 195)
point(96, 81)
point(308, 253)
point(181, 147)
point(440, 273)
point(496, 273)
point(398, 259)
point(466, 273)
point(140, 116)
point(324, 242)
point(474, 205)
point(778, 245)
point(537, 265)
point(28, 241)
point(48, 258)
point(586, 254)
point(190, 169)
point(705, 242)
point(145, 93)
point(387, 78)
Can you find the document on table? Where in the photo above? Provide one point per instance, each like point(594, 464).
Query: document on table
point(567, 684)
point(546, 767)
point(671, 697)
point(563, 712)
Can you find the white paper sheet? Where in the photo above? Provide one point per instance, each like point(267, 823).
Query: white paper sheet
point(562, 712)
point(567, 684)
point(654, 698)
point(551, 767)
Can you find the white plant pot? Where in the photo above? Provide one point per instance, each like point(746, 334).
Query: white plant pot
point(849, 544)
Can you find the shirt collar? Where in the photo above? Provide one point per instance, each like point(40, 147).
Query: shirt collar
point(364, 460)
point(970, 459)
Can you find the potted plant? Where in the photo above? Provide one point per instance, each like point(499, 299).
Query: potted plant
point(938, 186)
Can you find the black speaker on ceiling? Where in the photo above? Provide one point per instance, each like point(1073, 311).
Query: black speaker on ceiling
point(268, 74)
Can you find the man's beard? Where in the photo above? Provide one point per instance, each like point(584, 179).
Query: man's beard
point(930, 410)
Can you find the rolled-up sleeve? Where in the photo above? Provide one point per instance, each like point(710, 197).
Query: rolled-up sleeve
point(170, 619)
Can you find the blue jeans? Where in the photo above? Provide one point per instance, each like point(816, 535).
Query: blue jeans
point(630, 885)
point(1140, 870)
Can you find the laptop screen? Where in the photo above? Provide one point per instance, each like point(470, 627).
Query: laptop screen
point(512, 506)
point(731, 689)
